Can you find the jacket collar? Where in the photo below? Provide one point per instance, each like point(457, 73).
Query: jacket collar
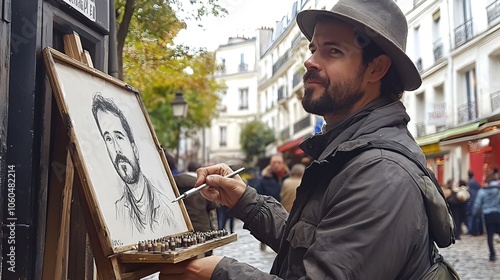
point(356, 130)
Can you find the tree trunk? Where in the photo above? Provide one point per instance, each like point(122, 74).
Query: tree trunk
point(122, 34)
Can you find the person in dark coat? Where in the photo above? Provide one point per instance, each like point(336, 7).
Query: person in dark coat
point(362, 217)
point(473, 222)
point(272, 177)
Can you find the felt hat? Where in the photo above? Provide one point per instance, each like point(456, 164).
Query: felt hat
point(379, 20)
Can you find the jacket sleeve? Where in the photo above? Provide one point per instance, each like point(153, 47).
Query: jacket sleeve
point(265, 218)
point(262, 215)
point(229, 268)
point(373, 228)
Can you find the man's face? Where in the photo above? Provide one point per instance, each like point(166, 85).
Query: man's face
point(121, 151)
point(334, 81)
point(277, 164)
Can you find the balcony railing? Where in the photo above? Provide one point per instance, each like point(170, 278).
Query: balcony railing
point(463, 33)
point(296, 40)
point(495, 100)
point(285, 133)
point(281, 61)
point(417, 2)
point(467, 112)
point(418, 63)
point(297, 78)
point(493, 11)
point(440, 128)
point(438, 49)
point(243, 67)
point(421, 129)
point(281, 93)
point(302, 124)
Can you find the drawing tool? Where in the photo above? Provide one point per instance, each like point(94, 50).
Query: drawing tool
point(201, 187)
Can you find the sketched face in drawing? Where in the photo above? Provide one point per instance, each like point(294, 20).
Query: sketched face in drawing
point(121, 149)
point(142, 205)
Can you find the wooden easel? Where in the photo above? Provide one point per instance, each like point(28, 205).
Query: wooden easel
point(64, 185)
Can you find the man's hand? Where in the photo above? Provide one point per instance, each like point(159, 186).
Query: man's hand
point(223, 190)
point(195, 269)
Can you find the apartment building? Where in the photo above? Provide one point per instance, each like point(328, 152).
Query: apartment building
point(455, 44)
point(238, 99)
point(455, 114)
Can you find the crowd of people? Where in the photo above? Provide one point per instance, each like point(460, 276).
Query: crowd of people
point(476, 208)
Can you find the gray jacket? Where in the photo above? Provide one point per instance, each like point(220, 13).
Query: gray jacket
point(363, 219)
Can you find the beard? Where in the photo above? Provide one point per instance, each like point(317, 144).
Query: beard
point(337, 97)
point(128, 171)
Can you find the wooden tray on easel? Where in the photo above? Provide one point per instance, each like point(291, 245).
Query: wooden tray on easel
point(114, 151)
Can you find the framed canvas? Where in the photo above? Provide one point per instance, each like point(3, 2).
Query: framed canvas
point(125, 176)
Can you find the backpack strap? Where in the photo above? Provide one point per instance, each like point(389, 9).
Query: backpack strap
point(431, 204)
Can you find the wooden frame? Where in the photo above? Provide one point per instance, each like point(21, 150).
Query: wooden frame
point(77, 89)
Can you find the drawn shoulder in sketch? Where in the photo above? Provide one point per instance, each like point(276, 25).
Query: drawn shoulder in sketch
point(142, 207)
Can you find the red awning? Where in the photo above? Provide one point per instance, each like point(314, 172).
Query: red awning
point(291, 145)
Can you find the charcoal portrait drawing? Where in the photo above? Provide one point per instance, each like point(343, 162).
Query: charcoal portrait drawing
point(142, 208)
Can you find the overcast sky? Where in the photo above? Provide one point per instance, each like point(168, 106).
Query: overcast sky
point(244, 17)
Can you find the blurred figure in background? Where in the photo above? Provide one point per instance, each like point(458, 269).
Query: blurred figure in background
point(474, 223)
point(197, 206)
point(457, 206)
point(271, 180)
point(487, 204)
point(290, 184)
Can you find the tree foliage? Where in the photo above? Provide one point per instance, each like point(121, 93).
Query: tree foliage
point(151, 62)
point(254, 137)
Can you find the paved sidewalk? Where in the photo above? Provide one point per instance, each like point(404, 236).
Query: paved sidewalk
point(247, 249)
point(470, 257)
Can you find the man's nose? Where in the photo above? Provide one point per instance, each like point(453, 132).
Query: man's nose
point(311, 63)
point(118, 149)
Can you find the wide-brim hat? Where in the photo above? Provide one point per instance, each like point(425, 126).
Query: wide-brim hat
point(381, 21)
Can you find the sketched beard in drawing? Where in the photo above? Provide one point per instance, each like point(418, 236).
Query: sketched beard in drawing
point(142, 206)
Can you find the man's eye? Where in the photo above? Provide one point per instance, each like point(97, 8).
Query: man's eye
point(119, 137)
point(107, 138)
point(335, 51)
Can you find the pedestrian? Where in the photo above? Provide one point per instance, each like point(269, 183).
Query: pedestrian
point(473, 222)
point(487, 205)
point(223, 216)
point(271, 180)
point(272, 177)
point(457, 205)
point(290, 185)
point(357, 218)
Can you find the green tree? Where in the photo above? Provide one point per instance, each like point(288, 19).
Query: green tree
point(254, 137)
point(158, 68)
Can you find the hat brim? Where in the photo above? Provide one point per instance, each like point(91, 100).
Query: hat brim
point(408, 73)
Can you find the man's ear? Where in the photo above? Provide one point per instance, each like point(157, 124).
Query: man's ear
point(136, 151)
point(378, 67)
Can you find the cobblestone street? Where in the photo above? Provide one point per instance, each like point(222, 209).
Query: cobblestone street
point(469, 255)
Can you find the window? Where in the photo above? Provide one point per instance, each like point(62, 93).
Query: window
point(243, 98)
point(243, 66)
point(416, 38)
point(222, 136)
point(470, 83)
point(223, 65)
point(468, 111)
point(436, 34)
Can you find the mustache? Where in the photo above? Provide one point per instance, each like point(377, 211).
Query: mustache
point(120, 157)
point(313, 74)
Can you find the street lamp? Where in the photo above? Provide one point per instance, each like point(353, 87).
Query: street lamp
point(179, 105)
point(179, 110)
